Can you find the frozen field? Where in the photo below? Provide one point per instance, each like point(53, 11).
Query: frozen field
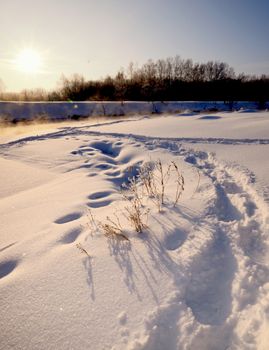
point(197, 277)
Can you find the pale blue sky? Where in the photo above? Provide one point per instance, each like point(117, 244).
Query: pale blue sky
point(96, 38)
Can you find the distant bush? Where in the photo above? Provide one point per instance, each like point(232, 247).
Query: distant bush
point(170, 79)
point(26, 95)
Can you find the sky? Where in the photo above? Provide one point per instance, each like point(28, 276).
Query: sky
point(41, 40)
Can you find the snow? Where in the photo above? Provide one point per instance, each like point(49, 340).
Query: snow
point(196, 278)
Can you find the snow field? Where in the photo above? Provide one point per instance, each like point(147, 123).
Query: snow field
point(198, 277)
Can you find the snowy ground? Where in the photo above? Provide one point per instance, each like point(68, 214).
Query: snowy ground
point(196, 278)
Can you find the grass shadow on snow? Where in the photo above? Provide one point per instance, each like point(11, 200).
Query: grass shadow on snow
point(88, 267)
point(142, 258)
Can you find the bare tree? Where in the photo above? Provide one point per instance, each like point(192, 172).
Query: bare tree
point(69, 88)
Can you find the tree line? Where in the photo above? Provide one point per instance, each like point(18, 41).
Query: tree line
point(170, 79)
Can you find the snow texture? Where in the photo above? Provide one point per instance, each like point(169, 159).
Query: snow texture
point(196, 278)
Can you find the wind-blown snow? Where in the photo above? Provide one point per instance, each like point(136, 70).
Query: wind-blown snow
point(197, 278)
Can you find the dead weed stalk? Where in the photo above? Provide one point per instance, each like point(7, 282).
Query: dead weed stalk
point(82, 250)
point(134, 211)
point(135, 214)
point(113, 228)
point(180, 183)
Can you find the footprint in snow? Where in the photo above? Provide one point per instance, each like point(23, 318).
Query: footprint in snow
point(99, 199)
point(92, 174)
point(209, 293)
point(7, 267)
point(174, 240)
point(99, 204)
point(68, 218)
point(107, 148)
point(71, 235)
point(113, 173)
point(224, 209)
point(103, 166)
point(118, 178)
point(100, 194)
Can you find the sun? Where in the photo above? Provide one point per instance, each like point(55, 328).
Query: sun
point(29, 61)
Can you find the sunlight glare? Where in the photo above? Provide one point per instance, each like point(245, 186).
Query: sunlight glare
point(29, 61)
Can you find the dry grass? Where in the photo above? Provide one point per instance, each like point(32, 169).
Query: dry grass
point(131, 190)
point(82, 250)
point(162, 176)
point(113, 228)
point(110, 228)
point(155, 177)
point(136, 214)
point(180, 183)
point(135, 211)
point(150, 183)
point(146, 176)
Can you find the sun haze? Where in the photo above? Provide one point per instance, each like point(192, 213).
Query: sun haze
point(28, 61)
